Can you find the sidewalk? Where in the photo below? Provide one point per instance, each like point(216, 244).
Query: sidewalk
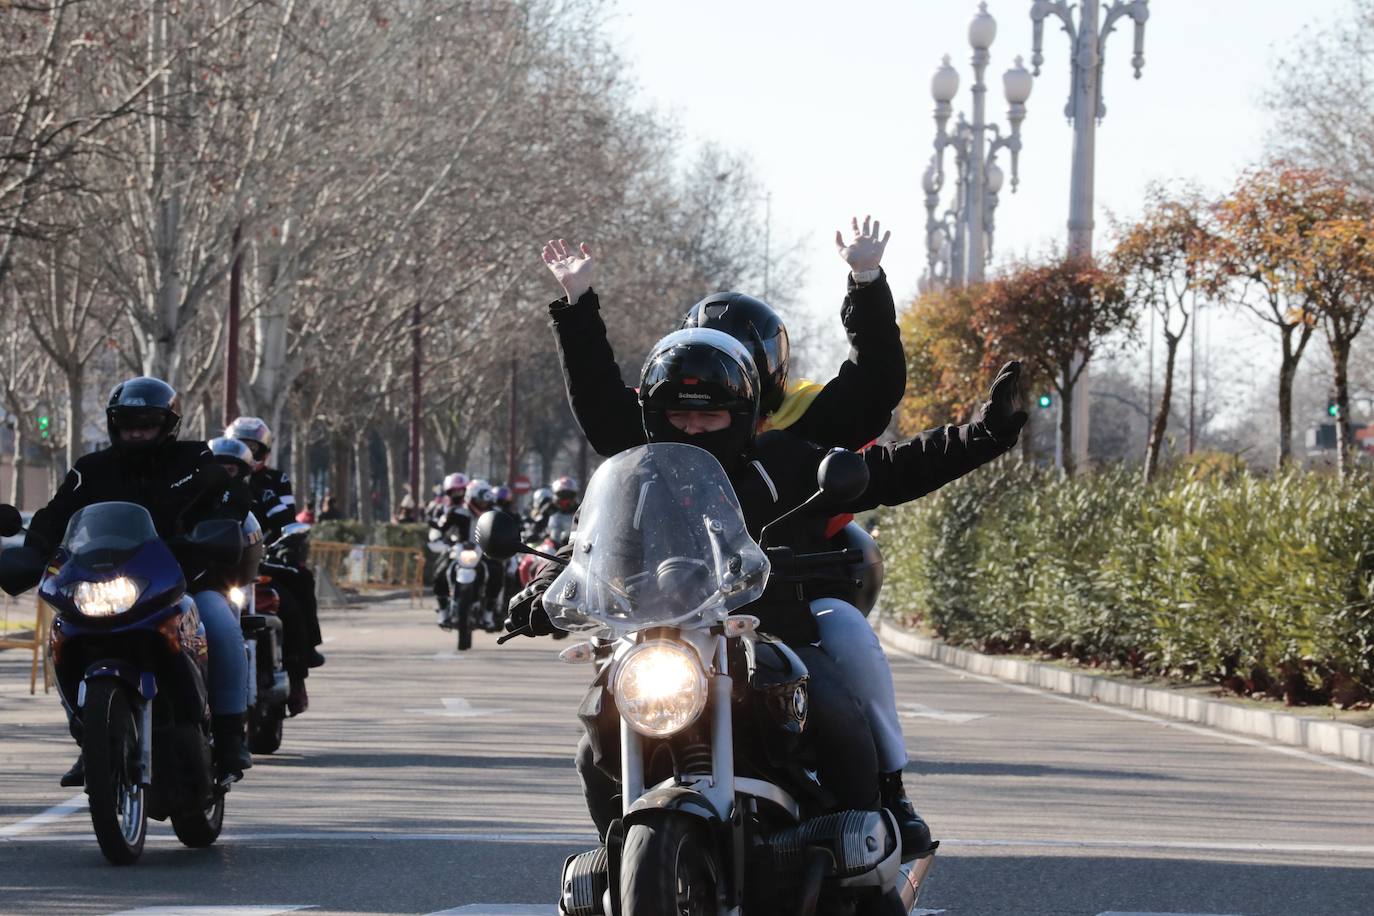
point(1338, 739)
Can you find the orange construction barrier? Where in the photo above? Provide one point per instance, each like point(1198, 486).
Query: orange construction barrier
point(367, 567)
point(27, 632)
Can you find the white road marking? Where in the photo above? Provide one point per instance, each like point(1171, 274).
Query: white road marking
point(457, 708)
point(589, 839)
point(919, 711)
point(500, 909)
point(55, 813)
point(267, 909)
point(1355, 768)
point(1115, 913)
point(450, 655)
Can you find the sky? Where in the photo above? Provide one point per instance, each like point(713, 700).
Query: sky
point(831, 100)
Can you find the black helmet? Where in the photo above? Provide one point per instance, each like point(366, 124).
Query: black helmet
point(142, 402)
point(753, 323)
point(233, 451)
point(701, 369)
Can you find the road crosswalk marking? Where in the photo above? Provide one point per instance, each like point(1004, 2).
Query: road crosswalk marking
point(919, 711)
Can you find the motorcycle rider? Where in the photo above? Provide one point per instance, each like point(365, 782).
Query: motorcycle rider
point(180, 484)
point(450, 518)
point(567, 497)
point(850, 411)
point(697, 388)
point(481, 496)
point(237, 460)
point(275, 508)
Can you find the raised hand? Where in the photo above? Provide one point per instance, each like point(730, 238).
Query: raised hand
point(1004, 413)
point(865, 249)
point(574, 270)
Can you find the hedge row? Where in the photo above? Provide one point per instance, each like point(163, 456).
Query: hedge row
point(382, 534)
point(1262, 584)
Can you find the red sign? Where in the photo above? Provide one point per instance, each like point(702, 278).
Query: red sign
point(520, 485)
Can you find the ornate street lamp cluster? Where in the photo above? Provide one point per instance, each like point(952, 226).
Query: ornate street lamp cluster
point(959, 242)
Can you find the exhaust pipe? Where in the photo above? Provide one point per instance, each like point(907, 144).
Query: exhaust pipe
point(913, 878)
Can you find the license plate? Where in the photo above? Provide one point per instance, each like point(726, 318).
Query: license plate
point(467, 576)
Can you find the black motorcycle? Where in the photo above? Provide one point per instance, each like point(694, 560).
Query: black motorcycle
point(130, 655)
point(704, 717)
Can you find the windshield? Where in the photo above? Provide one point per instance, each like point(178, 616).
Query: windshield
point(660, 542)
point(120, 528)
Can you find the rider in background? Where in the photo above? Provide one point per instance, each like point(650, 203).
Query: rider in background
point(275, 506)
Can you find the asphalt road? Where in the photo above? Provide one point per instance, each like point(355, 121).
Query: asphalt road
point(423, 782)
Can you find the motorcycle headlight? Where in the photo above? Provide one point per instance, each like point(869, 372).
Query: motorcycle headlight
point(237, 597)
point(468, 557)
point(660, 688)
point(105, 599)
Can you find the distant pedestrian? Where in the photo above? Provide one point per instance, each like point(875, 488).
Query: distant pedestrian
point(327, 511)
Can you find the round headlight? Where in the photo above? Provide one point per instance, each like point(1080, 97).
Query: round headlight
point(237, 598)
point(468, 557)
point(105, 599)
point(660, 688)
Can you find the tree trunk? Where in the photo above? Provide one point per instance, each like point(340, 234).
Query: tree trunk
point(300, 464)
point(362, 464)
point(1340, 363)
point(76, 413)
point(1066, 456)
point(1026, 456)
point(340, 487)
point(396, 471)
point(1161, 420)
point(17, 469)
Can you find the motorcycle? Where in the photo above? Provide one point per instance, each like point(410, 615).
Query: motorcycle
point(467, 581)
point(259, 606)
point(130, 655)
point(704, 716)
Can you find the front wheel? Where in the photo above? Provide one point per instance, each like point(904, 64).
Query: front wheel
point(667, 869)
point(200, 828)
point(265, 729)
point(111, 749)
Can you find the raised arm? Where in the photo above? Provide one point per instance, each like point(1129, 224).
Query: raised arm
point(856, 405)
point(605, 408)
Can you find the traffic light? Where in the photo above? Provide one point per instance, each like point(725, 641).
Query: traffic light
point(1332, 408)
point(43, 424)
point(1045, 402)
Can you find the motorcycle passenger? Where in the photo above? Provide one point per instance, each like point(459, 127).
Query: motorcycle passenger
point(180, 484)
point(275, 507)
point(850, 411)
point(774, 472)
point(237, 460)
point(449, 517)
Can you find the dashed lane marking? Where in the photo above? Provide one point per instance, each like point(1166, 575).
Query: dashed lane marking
point(1115, 913)
point(458, 708)
point(55, 813)
point(262, 909)
point(919, 711)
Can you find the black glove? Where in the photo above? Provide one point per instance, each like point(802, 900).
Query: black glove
point(1004, 412)
point(526, 615)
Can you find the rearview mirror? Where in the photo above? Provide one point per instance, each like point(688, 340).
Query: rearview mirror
point(11, 522)
point(842, 476)
point(498, 534)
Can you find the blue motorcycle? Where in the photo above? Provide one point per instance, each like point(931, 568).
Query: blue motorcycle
point(130, 655)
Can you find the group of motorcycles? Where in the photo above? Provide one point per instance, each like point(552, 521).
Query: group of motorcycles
point(130, 657)
point(702, 717)
point(481, 586)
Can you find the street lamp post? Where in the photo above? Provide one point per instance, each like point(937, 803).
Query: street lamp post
point(959, 242)
point(1084, 110)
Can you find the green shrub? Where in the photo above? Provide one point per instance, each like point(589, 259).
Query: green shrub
point(1264, 584)
point(344, 531)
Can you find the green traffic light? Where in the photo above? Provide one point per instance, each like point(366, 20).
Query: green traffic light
point(43, 424)
point(1045, 401)
point(1333, 409)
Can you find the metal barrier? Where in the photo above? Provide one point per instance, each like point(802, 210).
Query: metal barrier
point(27, 633)
point(364, 567)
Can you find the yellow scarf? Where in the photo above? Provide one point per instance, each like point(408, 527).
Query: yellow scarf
point(796, 400)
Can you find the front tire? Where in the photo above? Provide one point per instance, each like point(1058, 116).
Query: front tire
point(667, 869)
point(200, 828)
point(265, 730)
point(111, 748)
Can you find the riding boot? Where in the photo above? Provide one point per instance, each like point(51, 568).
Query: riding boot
point(298, 701)
point(231, 756)
point(76, 776)
point(915, 834)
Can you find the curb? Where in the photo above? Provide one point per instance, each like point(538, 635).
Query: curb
point(1336, 739)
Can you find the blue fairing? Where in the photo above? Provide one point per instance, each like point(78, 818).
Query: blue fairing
point(152, 565)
